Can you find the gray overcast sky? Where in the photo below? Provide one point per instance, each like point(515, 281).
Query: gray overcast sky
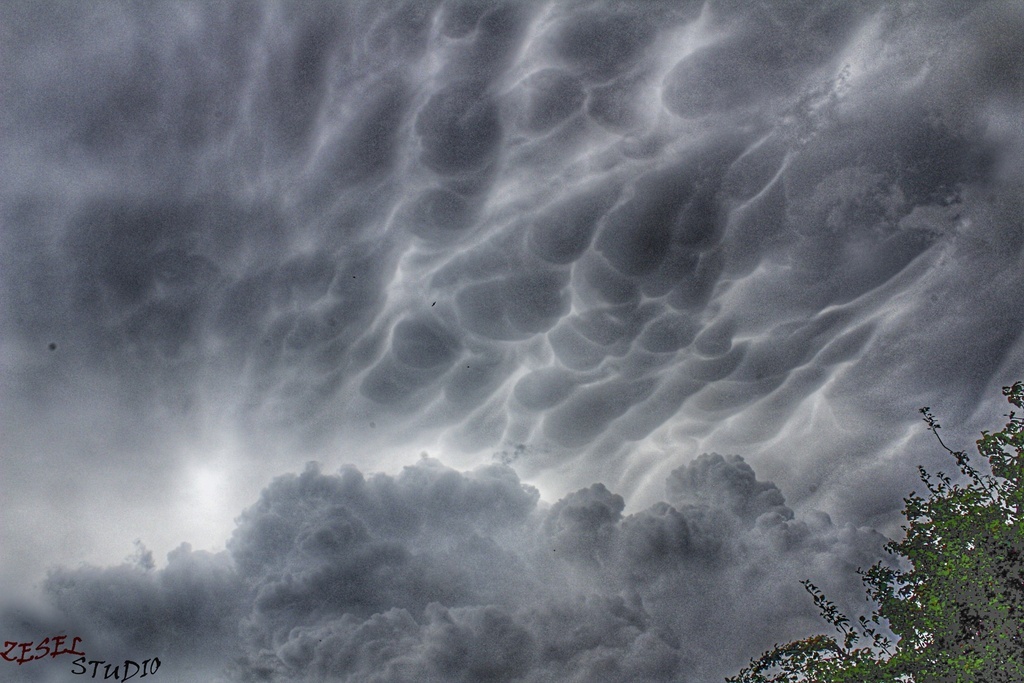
point(563, 248)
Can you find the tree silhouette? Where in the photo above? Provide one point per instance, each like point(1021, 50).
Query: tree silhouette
point(959, 612)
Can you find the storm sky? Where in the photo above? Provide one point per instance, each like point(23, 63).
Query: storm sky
point(473, 340)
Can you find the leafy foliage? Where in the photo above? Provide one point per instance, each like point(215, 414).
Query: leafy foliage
point(959, 612)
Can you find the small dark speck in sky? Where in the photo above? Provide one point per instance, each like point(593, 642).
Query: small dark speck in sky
point(52, 346)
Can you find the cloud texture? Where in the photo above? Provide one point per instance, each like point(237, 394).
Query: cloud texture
point(557, 243)
point(440, 575)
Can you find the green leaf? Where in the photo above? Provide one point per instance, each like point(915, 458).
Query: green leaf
point(958, 614)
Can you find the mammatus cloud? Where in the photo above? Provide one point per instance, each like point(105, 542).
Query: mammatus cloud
point(440, 575)
point(586, 240)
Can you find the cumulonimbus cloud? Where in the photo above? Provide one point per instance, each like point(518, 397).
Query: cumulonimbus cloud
point(588, 240)
point(441, 575)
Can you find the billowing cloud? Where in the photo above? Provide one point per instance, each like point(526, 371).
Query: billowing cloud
point(440, 575)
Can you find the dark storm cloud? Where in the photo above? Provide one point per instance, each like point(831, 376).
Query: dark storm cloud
point(438, 575)
point(288, 230)
point(591, 240)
